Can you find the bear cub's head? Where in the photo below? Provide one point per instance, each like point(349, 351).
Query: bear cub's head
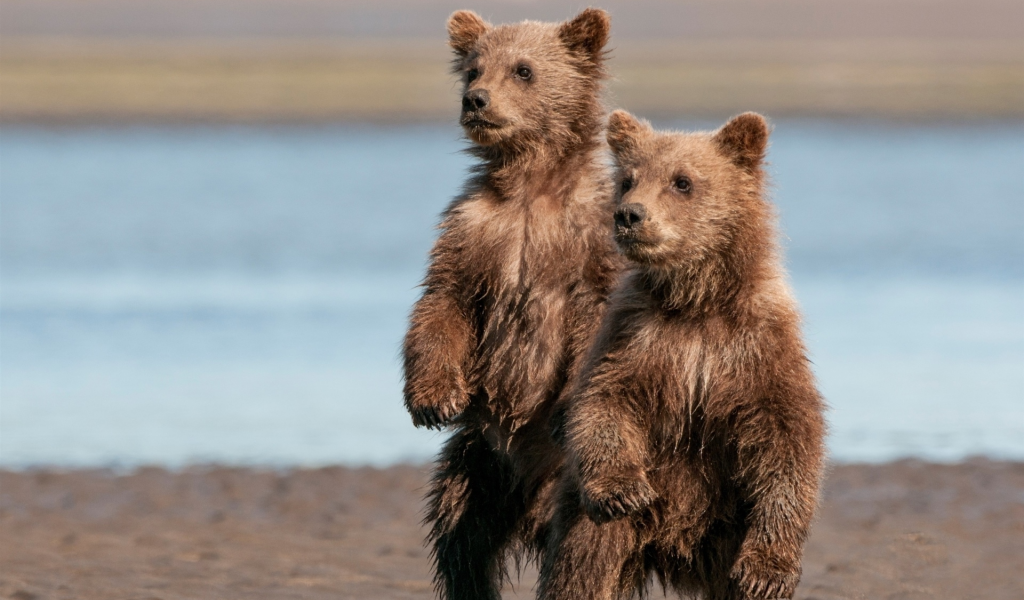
point(685, 197)
point(529, 82)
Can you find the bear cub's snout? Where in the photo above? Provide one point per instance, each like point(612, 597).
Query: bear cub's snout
point(629, 215)
point(475, 100)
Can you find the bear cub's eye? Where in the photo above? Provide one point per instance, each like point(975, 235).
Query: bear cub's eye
point(684, 185)
point(627, 184)
point(524, 73)
point(472, 74)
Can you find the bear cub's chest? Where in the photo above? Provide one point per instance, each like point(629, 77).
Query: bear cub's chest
point(527, 247)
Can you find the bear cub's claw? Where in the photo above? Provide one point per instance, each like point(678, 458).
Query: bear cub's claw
point(607, 500)
point(763, 580)
point(442, 414)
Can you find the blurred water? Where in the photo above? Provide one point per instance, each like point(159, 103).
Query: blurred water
point(173, 295)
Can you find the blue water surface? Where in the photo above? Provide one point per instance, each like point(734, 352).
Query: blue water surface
point(233, 294)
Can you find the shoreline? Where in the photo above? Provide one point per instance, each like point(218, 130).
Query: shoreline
point(74, 80)
point(113, 470)
point(405, 121)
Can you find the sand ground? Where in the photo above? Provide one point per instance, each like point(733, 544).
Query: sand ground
point(906, 530)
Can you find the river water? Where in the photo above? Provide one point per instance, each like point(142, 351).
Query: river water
point(238, 295)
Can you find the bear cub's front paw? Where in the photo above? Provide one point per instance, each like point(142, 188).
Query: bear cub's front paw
point(437, 407)
point(765, 578)
point(610, 498)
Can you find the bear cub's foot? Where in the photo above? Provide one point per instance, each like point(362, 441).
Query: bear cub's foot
point(608, 498)
point(764, 578)
point(433, 414)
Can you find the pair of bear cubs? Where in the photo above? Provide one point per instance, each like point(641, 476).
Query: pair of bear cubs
point(616, 355)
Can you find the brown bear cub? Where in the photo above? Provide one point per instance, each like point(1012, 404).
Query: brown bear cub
point(516, 285)
point(694, 431)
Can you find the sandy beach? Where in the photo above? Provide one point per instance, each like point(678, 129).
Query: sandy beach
point(904, 530)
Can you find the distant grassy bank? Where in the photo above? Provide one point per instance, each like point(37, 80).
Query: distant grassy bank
point(65, 80)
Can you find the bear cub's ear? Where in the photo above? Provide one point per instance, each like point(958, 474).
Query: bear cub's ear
point(625, 130)
point(744, 139)
point(464, 28)
point(587, 33)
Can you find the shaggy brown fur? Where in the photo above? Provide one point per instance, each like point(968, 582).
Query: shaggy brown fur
point(515, 289)
point(695, 431)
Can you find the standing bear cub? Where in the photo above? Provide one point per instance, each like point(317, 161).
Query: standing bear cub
point(515, 288)
point(694, 430)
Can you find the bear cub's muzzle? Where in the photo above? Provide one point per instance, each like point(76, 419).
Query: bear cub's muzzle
point(629, 215)
point(474, 106)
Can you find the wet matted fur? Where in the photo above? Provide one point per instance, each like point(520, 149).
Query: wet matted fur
point(515, 289)
point(695, 430)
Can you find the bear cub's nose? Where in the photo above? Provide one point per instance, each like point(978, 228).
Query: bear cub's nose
point(475, 100)
point(629, 215)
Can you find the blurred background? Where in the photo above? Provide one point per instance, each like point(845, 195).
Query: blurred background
point(214, 213)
